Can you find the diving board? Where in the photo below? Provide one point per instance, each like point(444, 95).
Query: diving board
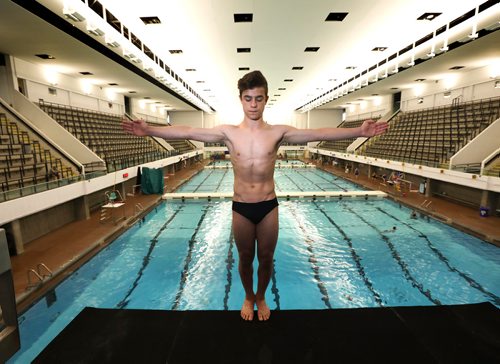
point(290, 194)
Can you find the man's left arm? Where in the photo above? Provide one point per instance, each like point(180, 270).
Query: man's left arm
point(369, 128)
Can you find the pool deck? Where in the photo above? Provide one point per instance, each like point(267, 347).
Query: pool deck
point(66, 248)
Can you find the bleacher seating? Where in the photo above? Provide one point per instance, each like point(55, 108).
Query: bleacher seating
point(431, 136)
point(26, 161)
point(103, 134)
point(181, 146)
point(341, 145)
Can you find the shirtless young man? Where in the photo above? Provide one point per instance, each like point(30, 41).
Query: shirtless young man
point(253, 146)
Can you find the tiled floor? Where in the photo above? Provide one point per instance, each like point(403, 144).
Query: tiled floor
point(63, 249)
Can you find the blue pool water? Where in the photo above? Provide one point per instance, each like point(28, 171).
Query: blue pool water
point(330, 254)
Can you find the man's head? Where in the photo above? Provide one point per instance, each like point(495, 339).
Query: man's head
point(252, 80)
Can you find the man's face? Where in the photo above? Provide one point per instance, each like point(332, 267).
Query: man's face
point(254, 101)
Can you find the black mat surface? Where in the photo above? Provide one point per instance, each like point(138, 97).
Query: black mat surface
point(437, 334)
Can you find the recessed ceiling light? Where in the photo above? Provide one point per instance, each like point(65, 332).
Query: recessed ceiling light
point(456, 68)
point(428, 16)
point(394, 88)
point(200, 81)
point(243, 50)
point(336, 16)
point(132, 92)
point(276, 95)
point(148, 20)
point(297, 68)
point(190, 69)
point(288, 80)
point(243, 18)
point(146, 97)
point(175, 51)
point(311, 49)
point(243, 68)
point(86, 73)
point(350, 67)
point(379, 49)
point(420, 80)
point(45, 56)
point(282, 89)
point(112, 84)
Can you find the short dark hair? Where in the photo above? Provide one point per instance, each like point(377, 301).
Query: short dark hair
point(252, 80)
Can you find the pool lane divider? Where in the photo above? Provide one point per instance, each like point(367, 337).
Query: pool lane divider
point(402, 264)
point(313, 261)
point(281, 194)
point(229, 166)
point(145, 261)
point(355, 257)
point(187, 261)
point(441, 257)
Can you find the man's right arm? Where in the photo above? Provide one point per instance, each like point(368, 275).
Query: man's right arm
point(141, 128)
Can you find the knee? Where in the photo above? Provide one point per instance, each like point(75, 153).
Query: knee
point(246, 259)
point(266, 259)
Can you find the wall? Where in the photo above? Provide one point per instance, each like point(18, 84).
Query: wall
point(324, 118)
point(369, 108)
point(473, 85)
point(70, 90)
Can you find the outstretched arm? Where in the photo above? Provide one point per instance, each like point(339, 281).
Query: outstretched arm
point(141, 128)
point(368, 129)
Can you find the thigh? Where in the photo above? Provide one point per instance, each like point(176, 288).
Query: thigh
point(267, 234)
point(244, 235)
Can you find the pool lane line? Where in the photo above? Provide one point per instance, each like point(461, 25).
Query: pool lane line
point(199, 185)
point(402, 264)
point(355, 257)
point(316, 173)
point(229, 267)
point(313, 260)
point(145, 261)
point(220, 181)
point(187, 261)
point(445, 260)
point(274, 287)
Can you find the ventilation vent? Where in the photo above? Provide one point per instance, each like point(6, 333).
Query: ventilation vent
point(148, 20)
point(311, 49)
point(243, 18)
point(336, 16)
point(243, 50)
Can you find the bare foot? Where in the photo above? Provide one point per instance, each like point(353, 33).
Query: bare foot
point(247, 309)
point(263, 310)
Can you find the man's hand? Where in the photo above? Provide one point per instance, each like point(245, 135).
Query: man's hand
point(371, 128)
point(136, 127)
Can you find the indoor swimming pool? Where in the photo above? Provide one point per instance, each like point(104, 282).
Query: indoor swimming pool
point(330, 254)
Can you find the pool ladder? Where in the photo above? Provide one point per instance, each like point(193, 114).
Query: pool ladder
point(138, 209)
point(426, 204)
point(39, 275)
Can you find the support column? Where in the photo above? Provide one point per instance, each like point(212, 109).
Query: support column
point(82, 208)
point(428, 187)
point(18, 236)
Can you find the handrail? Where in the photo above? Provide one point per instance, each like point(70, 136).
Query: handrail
point(488, 159)
point(45, 268)
point(30, 283)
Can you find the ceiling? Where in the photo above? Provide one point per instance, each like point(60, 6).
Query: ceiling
point(281, 30)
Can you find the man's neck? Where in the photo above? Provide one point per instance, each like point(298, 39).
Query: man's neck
point(252, 124)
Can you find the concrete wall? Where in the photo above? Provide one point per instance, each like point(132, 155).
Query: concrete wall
point(473, 85)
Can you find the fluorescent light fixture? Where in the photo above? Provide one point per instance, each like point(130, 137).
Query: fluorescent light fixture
point(94, 30)
point(447, 94)
point(72, 14)
point(111, 42)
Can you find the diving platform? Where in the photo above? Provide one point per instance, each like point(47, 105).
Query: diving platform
point(283, 195)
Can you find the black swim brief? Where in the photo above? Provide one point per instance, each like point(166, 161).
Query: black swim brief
point(255, 211)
